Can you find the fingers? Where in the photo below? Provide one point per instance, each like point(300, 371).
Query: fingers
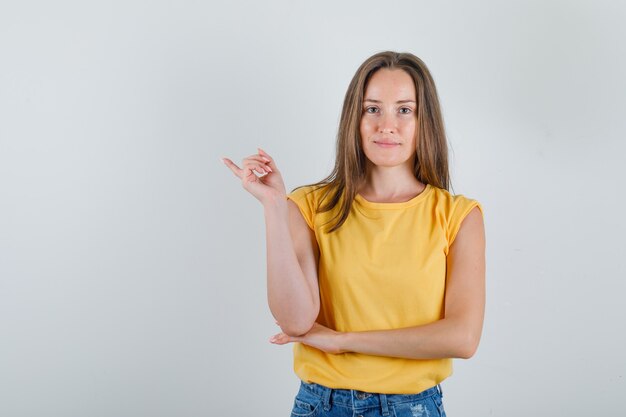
point(249, 164)
point(259, 167)
point(233, 167)
point(260, 163)
point(267, 158)
point(281, 339)
point(248, 176)
point(258, 159)
point(265, 161)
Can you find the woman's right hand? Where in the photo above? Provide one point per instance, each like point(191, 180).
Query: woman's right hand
point(265, 188)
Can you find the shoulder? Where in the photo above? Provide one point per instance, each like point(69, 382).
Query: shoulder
point(307, 198)
point(453, 209)
point(303, 191)
point(449, 204)
point(308, 193)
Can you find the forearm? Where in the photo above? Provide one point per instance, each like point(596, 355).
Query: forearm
point(289, 296)
point(446, 338)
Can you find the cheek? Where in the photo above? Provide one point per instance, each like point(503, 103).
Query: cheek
point(410, 128)
point(365, 129)
point(409, 123)
point(365, 126)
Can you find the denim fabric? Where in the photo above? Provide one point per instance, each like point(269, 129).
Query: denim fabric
point(315, 400)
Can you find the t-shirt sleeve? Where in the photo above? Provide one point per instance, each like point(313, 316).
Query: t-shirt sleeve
point(304, 200)
point(460, 208)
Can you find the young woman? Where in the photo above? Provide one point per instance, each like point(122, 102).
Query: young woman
point(377, 272)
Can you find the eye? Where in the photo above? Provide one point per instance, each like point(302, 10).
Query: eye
point(409, 110)
point(367, 109)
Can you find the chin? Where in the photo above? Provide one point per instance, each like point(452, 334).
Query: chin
point(387, 163)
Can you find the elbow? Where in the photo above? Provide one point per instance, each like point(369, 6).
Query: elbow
point(301, 327)
point(296, 323)
point(468, 346)
point(297, 329)
point(466, 353)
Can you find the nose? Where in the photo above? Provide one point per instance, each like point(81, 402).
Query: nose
point(387, 123)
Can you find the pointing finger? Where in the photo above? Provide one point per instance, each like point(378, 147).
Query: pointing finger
point(233, 167)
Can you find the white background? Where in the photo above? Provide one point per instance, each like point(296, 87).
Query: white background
point(132, 262)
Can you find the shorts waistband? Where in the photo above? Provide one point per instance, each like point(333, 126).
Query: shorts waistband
point(361, 399)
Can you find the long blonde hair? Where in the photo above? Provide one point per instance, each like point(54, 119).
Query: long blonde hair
point(431, 162)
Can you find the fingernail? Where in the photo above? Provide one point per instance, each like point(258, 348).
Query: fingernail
point(266, 158)
point(222, 159)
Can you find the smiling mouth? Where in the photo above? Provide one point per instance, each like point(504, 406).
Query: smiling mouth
point(386, 144)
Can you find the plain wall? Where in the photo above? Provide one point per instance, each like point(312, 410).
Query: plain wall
point(132, 262)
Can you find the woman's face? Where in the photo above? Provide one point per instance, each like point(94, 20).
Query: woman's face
point(389, 120)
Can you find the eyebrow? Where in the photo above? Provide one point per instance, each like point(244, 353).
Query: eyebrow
point(399, 101)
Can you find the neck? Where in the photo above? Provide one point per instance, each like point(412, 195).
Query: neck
point(389, 183)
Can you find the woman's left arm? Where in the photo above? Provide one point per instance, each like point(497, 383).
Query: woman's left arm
point(455, 336)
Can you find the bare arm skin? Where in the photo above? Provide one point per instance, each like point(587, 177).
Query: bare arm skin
point(292, 259)
point(292, 251)
point(455, 336)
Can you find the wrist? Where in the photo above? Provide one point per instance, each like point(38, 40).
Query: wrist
point(276, 202)
point(343, 342)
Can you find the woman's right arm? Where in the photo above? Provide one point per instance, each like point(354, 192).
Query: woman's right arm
point(292, 268)
point(292, 251)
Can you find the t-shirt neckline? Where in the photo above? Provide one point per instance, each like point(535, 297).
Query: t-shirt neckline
point(366, 203)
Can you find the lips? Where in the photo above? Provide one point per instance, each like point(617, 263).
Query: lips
point(386, 144)
point(386, 141)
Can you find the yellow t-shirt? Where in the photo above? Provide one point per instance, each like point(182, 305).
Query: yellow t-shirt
point(384, 268)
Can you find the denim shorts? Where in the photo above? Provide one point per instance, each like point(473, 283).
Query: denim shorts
point(315, 400)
